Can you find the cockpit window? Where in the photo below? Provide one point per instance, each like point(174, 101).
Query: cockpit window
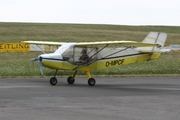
point(77, 55)
point(84, 55)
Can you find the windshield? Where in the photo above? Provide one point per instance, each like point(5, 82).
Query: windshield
point(64, 48)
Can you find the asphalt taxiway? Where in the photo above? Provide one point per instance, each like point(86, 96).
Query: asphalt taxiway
point(112, 98)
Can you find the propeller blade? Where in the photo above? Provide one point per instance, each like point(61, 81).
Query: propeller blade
point(34, 59)
point(41, 67)
point(39, 59)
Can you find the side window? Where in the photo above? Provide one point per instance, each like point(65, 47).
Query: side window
point(78, 53)
point(84, 55)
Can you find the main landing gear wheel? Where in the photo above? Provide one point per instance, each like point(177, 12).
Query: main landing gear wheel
point(53, 81)
point(91, 82)
point(70, 80)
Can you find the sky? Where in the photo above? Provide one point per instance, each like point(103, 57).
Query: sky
point(117, 12)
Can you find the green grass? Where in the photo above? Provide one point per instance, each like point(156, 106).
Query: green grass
point(18, 64)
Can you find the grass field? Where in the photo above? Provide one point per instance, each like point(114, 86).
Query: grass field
point(18, 64)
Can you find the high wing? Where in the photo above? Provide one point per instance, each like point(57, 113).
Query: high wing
point(130, 44)
point(43, 43)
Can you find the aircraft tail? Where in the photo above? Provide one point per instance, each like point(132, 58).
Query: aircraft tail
point(155, 38)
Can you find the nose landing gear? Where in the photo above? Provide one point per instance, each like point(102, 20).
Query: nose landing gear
point(53, 81)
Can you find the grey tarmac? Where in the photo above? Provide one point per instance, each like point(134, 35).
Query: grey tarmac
point(112, 98)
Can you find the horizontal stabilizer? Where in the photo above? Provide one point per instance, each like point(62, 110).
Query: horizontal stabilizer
point(155, 51)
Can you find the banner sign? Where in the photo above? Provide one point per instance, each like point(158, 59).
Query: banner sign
point(14, 47)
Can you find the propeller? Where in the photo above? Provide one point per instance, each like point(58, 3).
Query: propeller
point(39, 59)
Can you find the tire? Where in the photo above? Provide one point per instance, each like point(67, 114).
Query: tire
point(53, 81)
point(91, 82)
point(70, 80)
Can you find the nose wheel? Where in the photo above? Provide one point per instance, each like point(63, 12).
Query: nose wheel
point(53, 81)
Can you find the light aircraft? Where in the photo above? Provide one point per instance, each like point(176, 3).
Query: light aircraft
point(99, 55)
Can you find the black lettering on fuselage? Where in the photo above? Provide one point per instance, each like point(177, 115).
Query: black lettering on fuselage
point(114, 62)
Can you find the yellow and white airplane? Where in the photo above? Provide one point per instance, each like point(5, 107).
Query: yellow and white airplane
point(88, 56)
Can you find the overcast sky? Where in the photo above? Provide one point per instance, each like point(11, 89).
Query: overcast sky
point(119, 12)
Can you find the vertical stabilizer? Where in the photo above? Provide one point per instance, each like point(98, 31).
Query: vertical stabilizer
point(155, 38)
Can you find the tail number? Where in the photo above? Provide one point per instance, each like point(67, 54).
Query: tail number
point(114, 63)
